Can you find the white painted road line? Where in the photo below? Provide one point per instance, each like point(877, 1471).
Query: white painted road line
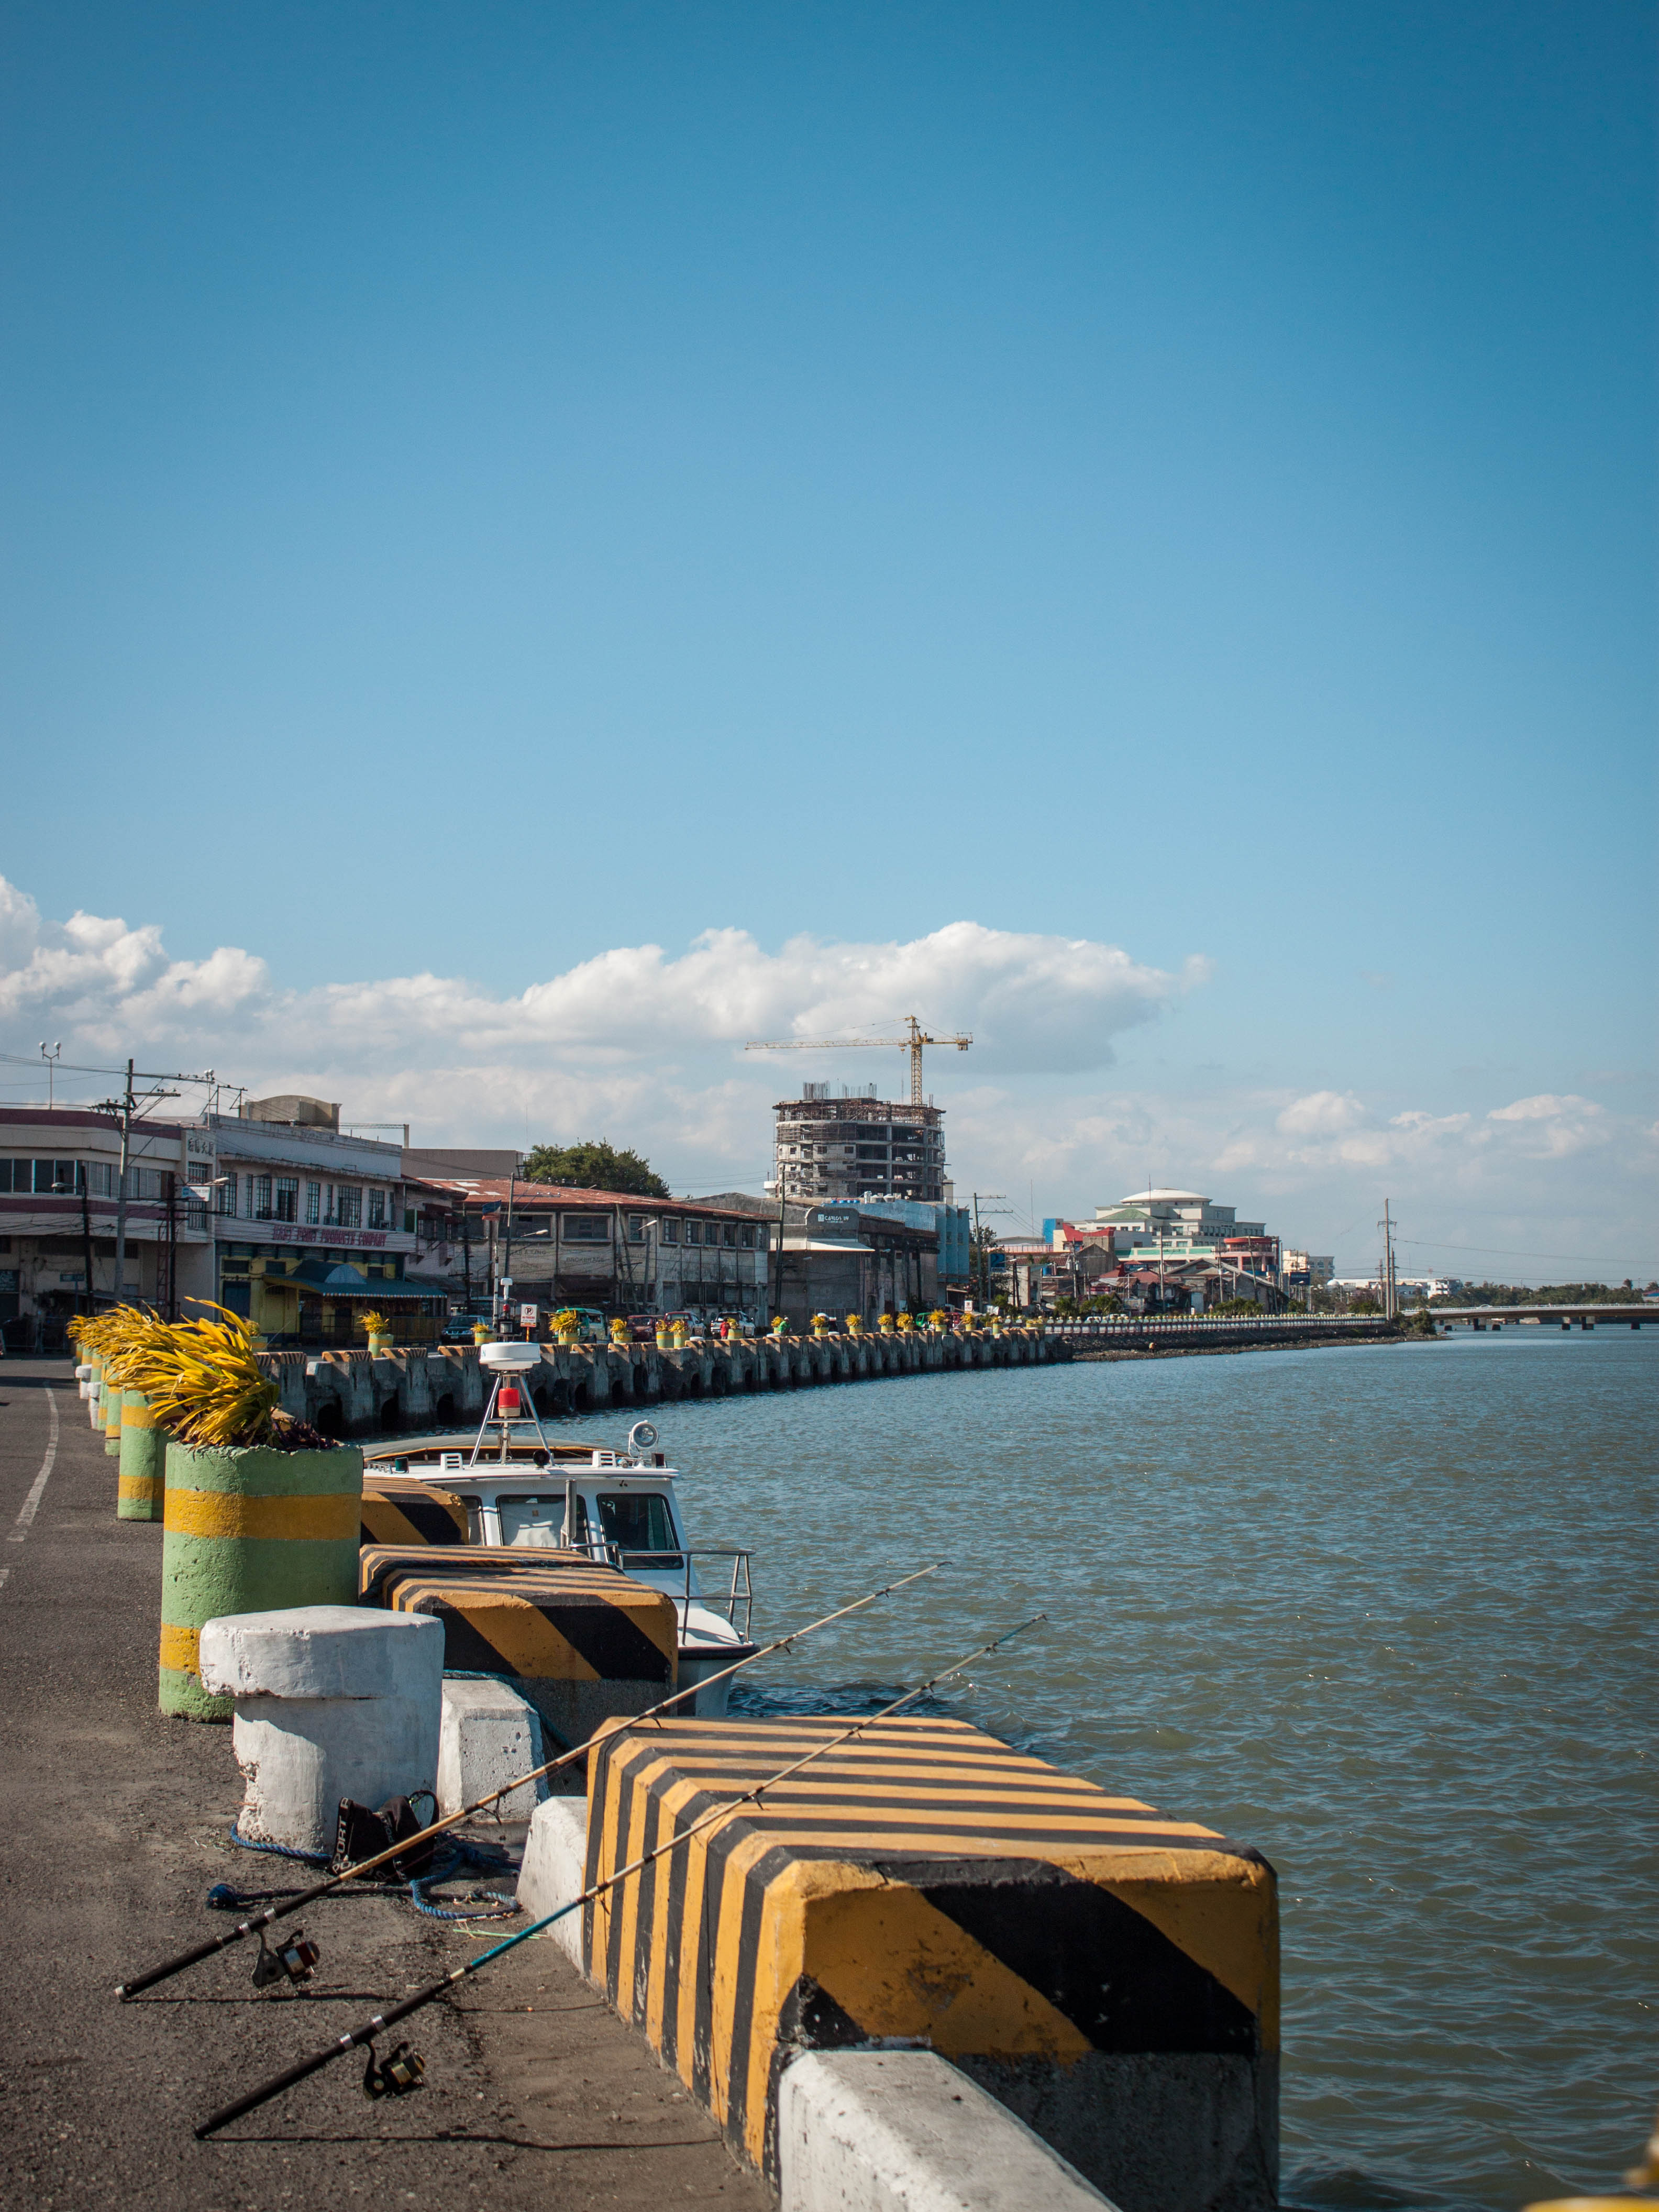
point(31, 1504)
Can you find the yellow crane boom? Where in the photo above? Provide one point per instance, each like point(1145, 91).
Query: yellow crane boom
point(912, 1042)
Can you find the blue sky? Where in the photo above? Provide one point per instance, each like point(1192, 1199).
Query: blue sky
point(486, 487)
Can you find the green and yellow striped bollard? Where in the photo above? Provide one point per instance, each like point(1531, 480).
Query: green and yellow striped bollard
point(112, 1411)
point(141, 1481)
point(95, 1392)
point(249, 1529)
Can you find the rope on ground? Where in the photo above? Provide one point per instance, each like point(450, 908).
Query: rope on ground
point(494, 1904)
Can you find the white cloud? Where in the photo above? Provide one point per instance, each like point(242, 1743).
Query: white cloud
point(644, 1046)
point(598, 1035)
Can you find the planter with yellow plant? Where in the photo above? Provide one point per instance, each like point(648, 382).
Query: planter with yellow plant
point(566, 1325)
point(261, 1510)
point(377, 1329)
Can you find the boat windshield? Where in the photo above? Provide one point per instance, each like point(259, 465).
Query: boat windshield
point(533, 1521)
point(638, 1521)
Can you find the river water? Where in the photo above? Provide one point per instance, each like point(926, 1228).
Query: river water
point(1385, 1612)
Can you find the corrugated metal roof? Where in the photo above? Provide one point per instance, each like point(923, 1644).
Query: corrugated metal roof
point(529, 1197)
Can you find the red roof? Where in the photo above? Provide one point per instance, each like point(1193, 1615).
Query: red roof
point(528, 1197)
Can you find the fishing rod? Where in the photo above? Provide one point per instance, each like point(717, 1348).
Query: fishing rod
point(403, 2071)
point(260, 1921)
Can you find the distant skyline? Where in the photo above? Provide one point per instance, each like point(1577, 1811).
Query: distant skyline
point(533, 536)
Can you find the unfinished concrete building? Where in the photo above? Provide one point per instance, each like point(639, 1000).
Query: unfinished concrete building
point(858, 1145)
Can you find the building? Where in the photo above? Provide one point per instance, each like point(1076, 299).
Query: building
point(859, 1146)
point(952, 1226)
point(61, 1217)
point(1308, 1270)
point(495, 1238)
point(311, 1229)
point(841, 1258)
point(1176, 1225)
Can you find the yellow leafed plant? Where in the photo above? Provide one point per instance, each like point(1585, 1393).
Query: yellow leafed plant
point(375, 1324)
point(205, 1385)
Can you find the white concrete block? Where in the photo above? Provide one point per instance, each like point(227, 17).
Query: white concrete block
point(300, 1756)
point(555, 1869)
point(332, 1701)
point(324, 1651)
point(488, 1734)
point(904, 2132)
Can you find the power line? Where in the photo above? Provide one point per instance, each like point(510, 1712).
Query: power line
point(1506, 1252)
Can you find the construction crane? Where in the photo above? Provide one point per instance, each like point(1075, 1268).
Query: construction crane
point(912, 1043)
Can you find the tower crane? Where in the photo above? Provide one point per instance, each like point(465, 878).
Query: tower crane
point(912, 1042)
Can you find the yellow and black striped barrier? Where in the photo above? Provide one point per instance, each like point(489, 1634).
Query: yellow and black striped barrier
point(397, 1509)
point(1110, 1973)
point(582, 1642)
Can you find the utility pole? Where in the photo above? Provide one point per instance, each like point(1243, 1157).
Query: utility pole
point(52, 1058)
point(84, 1181)
point(1390, 1300)
point(983, 1258)
point(121, 1194)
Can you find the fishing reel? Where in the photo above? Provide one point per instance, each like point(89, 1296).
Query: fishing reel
point(398, 2076)
point(296, 1960)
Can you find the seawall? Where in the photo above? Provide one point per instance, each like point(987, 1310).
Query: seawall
point(438, 1386)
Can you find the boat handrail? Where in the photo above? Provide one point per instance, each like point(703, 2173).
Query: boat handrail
point(739, 1596)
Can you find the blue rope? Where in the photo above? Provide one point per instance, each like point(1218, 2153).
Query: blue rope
point(278, 1850)
point(499, 1905)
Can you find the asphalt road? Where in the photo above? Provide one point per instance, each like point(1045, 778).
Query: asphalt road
point(113, 1826)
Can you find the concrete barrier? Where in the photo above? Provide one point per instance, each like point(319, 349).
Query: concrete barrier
point(905, 2131)
point(583, 1643)
point(1109, 1974)
point(420, 1388)
point(249, 1529)
point(398, 1510)
point(331, 1701)
point(141, 1482)
point(554, 1870)
point(110, 1407)
point(487, 1734)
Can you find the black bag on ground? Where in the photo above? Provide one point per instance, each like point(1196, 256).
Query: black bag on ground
point(360, 1833)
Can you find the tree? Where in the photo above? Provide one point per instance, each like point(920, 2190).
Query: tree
point(592, 1166)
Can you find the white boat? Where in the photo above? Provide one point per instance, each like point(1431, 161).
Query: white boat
point(618, 1509)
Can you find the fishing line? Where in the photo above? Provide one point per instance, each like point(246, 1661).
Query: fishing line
point(301, 1898)
point(402, 2071)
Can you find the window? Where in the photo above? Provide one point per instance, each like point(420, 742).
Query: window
point(639, 1523)
point(287, 1198)
point(694, 1232)
point(313, 1202)
point(259, 1198)
point(224, 1199)
point(377, 1209)
point(586, 1229)
point(748, 1240)
point(349, 1198)
point(731, 1232)
point(671, 1232)
point(636, 1228)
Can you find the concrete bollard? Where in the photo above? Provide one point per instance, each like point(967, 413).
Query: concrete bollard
point(331, 1701)
point(554, 1870)
point(142, 1483)
point(1108, 1974)
point(110, 1409)
point(489, 1734)
point(904, 2132)
point(398, 1510)
point(250, 1529)
point(95, 1394)
point(583, 1643)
